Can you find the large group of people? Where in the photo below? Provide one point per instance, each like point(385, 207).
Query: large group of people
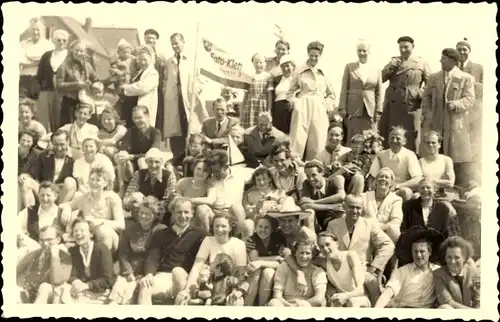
point(128, 194)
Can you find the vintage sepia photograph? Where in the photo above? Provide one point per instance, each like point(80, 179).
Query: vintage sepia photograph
point(197, 156)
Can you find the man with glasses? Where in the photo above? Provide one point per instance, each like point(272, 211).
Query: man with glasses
point(42, 271)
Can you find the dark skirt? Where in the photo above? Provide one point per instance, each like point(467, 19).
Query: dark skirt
point(356, 125)
point(282, 115)
point(68, 106)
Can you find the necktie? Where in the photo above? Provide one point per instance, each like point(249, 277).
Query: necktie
point(462, 66)
point(178, 57)
point(460, 281)
point(265, 136)
point(219, 126)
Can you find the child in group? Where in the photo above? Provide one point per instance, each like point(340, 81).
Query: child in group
point(96, 99)
point(196, 148)
point(27, 111)
point(259, 97)
point(111, 131)
point(355, 165)
point(80, 130)
point(233, 107)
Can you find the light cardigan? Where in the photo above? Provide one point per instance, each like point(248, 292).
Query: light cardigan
point(390, 210)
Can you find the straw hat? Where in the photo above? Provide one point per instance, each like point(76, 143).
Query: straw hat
point(155, 153)
point(286, 208)
point(403, 246)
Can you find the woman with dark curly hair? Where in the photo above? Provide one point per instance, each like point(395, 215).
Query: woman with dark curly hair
point(458, 280)
point(312, 99)
point(133, 250)
point(262, 189)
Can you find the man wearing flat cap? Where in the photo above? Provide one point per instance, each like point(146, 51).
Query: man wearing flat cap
point(407, 75)
point(447, 99)
point(476, 113)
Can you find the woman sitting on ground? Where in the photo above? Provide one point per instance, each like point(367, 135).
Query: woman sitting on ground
point(344, 272)
point(102, 207)
point(92, 274)
point(263, 249)
point(286, 292)
point(134, 247)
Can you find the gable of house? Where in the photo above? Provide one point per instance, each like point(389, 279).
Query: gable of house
point(109, 37)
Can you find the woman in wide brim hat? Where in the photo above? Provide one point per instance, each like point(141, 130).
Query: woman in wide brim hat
point(287, 208)
point(416, 233)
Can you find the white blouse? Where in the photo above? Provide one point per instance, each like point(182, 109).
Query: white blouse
point(282, 89)
point(363, 70)
point(57, 58)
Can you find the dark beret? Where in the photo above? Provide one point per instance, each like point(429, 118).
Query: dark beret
point(450, 53)
point(406, 39)
point(152, 32)
point(464, 42)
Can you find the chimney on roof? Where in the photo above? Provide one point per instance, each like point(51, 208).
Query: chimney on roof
point(88, 25)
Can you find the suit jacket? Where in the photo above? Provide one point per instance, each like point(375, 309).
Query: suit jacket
point(209, 129)
point(258, 147)
point(453, 125)
point(43, 167)
point(476, 70)
point(355, 94)
point(146, 88)
point(442, 217)
point(101, 277)
point(448, 290)
point(373, 246)
point(58, 273)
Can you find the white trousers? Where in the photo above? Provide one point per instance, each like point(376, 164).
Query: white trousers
point(309, 126)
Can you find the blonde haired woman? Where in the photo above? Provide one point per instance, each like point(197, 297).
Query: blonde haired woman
point(360, 97)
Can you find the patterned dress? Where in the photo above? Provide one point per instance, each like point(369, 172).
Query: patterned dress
point(257, 99)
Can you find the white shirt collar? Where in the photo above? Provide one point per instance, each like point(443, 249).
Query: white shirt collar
point(397, 155)
point(51, 210)
point(86, 259)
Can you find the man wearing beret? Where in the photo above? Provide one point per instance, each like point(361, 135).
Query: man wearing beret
point(447, 99)
point(406, 74)
point(476, 113)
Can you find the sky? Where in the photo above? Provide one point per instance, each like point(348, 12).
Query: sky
point(244, 29)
